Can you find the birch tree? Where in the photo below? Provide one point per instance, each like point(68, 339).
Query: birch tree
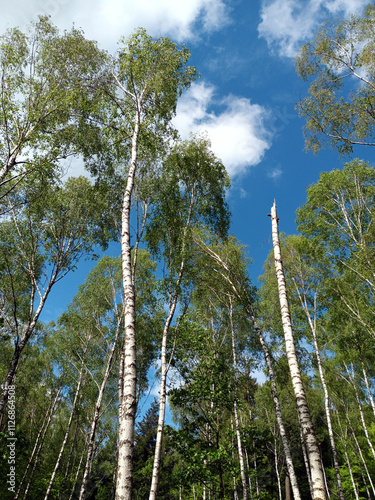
point(340, 64)
point(192, 189)
point(40, 244)
point(311, 443)
point(149, 75)
point(48, 83)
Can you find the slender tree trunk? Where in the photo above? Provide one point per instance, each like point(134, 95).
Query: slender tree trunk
point(359, 404)
point(38, 447)
point(256, 476)
point(98, 405)
point(312, 447)
point(162, 403)
point(365, 378)
point(67, 465)
point(78, 471)
point(312, 325)
point(57, 465)
point(164, 366)
point(248, 468)
point(128, 403)
point(360, 460)
point(236, 419)
point(344, 441)
point(229, 275)
point(288, 491)
point(277, 470)
point(363, 460)
point(235, 493)
point(279, 418)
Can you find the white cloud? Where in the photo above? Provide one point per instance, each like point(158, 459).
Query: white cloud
point(286, 24)
point(108, 20)
point(275, 173)
point(238, 133)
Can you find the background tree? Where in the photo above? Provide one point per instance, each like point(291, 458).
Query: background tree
point(41, 242)
point(48, 82)
point(341, 63)
point(191, 190)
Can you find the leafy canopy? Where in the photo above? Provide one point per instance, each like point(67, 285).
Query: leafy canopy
point(340, 63)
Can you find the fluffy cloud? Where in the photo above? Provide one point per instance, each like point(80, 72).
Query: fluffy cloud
point(238, 132)
point(286, 24)
point(108, 20)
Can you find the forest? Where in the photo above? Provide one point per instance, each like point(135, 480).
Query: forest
point(177, 307)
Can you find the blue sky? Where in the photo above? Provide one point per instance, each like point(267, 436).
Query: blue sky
point(245, 99)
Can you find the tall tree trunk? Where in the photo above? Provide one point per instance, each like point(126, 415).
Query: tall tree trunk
point(277, 469)
point(57, 465)
point(236, 419)
point(306, 462)
point(67, 465)
point(128, 403)
point(312, 325)
point(248, 468)
point(362, 459)
point(288, 491)
point(164, 366)
point(312, 446)
point(256, 475)
point(98, 405)
point(344, 441)
point(78, 470)
point(359, 404)
point(162, 401)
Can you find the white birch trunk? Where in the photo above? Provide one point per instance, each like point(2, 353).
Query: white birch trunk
point(98, 405)
point(277, 470)
point(362, 459)
point(77, 471)
point(312, 447)
point(57, 465)
point(162, 402)
point(163, 387)
point(236, 419)
point(344, 440)
point(312, 325)
point(359, 404)
point(128, 403)
point(306, 462)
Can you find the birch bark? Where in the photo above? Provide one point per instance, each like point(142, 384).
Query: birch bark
point(312, 446)
point(127, 405)
point(312, 325)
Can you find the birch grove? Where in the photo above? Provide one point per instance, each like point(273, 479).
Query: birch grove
point(171, 373)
